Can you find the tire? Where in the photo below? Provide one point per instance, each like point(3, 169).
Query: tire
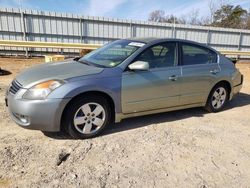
point(87, 117)
point(217, 98)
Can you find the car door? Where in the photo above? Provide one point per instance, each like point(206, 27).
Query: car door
point(199, 68)
point(155, 88)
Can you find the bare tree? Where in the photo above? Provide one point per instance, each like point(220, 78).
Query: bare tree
point(171, 19)
point(213, 6)
point(205, 21)
point(160, 16)
point(194, 17)
point(157, 16)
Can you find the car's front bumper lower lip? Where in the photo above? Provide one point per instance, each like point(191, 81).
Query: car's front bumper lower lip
point(44, 115)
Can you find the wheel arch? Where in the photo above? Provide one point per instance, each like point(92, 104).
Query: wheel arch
point(224, 82)
point(91, 93)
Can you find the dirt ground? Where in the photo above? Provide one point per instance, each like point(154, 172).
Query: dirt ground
point(187, 148)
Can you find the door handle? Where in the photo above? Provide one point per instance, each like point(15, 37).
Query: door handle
point(173, 77)
point(214, 71)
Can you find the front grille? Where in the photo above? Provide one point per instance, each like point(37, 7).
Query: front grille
point(14, 87)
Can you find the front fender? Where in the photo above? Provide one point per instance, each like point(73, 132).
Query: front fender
point(110, 86)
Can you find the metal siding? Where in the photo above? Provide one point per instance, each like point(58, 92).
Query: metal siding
point(61, 27)
point(246, 40)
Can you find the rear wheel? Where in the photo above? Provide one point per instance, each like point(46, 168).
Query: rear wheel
point(87, 117)
point(218, 98)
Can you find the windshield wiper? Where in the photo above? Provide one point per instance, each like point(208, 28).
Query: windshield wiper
point(91, 64)
point(85, 62)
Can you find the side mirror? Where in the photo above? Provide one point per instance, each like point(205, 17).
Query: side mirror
point(139, 65)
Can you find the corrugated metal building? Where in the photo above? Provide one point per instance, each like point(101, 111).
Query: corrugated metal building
point(35, 25)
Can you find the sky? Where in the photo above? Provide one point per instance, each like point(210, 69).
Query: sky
point(125, 9)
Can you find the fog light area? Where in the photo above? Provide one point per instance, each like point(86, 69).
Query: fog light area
point(22, 118)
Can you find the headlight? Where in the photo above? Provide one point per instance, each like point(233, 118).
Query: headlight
point(42, 90)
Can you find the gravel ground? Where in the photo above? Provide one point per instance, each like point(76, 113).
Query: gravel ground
point(187, 148)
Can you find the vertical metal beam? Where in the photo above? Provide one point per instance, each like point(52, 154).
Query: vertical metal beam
point(24, 31)
point(174, 31)
point(132, 29)
point(80, 25)
point(113, 29)
point(85, 31)
point(108, 27)
point(239, 44)
point(61, 25)
point(208, 37)
point(240, 41)
point(174, 27)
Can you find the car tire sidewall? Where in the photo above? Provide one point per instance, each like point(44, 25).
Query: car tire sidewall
point(72, 109)
point(209, 105)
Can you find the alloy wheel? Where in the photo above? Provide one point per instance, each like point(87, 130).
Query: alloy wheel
point(219, 97)
point(89, 118)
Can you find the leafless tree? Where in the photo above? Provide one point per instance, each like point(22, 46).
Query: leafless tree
point(212, 8)
point(160, 16)
point(157, 16)
point(191, 18)
point(194, 17)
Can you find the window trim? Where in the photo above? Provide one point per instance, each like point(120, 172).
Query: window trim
point(153, 45)
point(195, 45)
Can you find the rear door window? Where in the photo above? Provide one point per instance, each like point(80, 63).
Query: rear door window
point(194, 54)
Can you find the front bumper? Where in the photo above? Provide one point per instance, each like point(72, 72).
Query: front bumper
point(44, 115)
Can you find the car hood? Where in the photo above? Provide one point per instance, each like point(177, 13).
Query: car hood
point(59, 70)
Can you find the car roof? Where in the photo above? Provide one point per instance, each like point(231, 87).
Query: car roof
point(144, 40)
point(148, 40)
point(154, 39)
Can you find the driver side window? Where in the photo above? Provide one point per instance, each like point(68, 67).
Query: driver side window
point(160, 55)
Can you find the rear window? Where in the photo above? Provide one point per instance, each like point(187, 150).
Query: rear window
point(194, 54)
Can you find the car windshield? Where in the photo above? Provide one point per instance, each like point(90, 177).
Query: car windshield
point(111, 54)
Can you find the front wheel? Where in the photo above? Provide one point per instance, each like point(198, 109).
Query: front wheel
point(87, 117)
point(217, 99)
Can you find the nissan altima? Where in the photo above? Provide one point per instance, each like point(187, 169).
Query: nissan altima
point(125, 78)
